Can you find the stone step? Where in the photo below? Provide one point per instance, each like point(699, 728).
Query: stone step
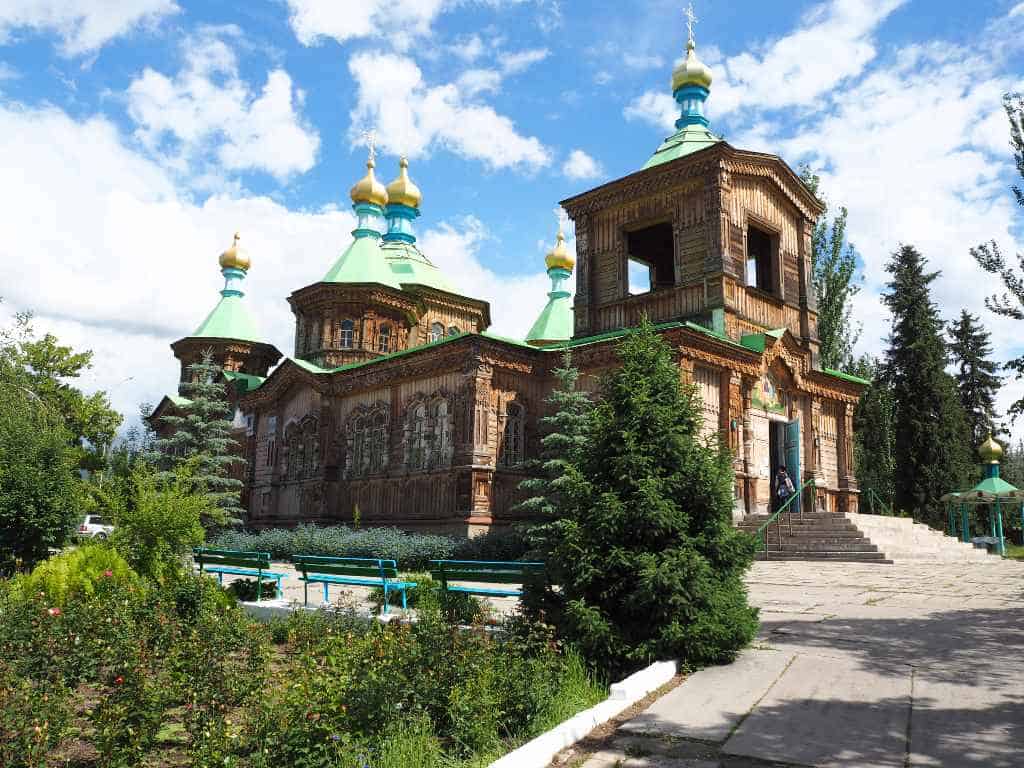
point(850, 557)
point(796, 530)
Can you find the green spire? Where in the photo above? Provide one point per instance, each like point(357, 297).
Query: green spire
point(362, 262)
point(230, 319)
point(555, 322)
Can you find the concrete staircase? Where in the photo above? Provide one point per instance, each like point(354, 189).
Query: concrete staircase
point(903, 539)
point(814, 536)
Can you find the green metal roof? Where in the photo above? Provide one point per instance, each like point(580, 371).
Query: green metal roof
point(179, 401)
point(686, 141)
point(362, 262)
point(247, 381)
point(409, 266)
point(846, 376)
point(230, 319)
point(555, 322)
point(995, 486)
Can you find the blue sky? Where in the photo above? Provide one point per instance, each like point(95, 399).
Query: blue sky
point(137, 140)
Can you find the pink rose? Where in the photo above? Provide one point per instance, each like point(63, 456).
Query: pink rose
point(53, 611)
point(108, 573)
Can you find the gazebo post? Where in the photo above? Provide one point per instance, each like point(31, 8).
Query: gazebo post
point(964, 525)
point(999, 528)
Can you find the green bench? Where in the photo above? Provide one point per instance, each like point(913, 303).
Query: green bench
point(236, 563)
point(483, 572)
point(354, 571)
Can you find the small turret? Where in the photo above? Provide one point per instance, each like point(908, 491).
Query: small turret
point(555, 322)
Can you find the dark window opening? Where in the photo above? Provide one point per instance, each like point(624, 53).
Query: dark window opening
point(651, 247)
point(759, 260)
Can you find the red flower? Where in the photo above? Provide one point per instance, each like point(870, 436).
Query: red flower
point(118, 680)
point(53, 611)
point(108, 573)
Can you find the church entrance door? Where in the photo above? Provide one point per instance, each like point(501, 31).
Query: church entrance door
point(784, 450)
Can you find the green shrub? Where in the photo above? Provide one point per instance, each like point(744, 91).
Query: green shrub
point(76, 573)
point(459, 607)
point(33, 717)
point(496, 544)
point(245, 590)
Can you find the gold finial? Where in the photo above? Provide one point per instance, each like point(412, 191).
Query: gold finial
point(368, 189)
point(402, 191)
point(559, 256)
point(692, 71)
point(234, 257)
point(990, 451)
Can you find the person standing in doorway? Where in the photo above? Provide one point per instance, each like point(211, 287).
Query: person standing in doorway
point(783, 487)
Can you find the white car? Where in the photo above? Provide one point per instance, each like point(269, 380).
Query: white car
point(95, 527)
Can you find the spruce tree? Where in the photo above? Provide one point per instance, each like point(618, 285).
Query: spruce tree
point(990, 257)
point(932, 448)
point(835, 281)
point(643, 549)
point(201, 439)
point(874, 438)
point(976, 379)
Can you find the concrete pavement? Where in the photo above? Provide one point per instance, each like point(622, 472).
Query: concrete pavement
point(913, 664)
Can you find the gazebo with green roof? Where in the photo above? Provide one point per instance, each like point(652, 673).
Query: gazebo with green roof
point(992, 491)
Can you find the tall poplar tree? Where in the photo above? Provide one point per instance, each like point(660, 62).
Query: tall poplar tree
point(976, 379)
point(835, 281)
point(874, 437)
point(990, 257)
point(201, 438)
point(932, 448)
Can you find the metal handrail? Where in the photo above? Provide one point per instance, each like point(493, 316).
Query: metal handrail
point(779, 511)
point(873, 497)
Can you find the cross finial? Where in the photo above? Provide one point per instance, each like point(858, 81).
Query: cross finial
point(371, 143)
point(691, 19)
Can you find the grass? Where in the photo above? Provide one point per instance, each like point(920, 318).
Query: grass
point(1014, 551)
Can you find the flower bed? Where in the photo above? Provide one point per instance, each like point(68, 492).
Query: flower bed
point(121, 673)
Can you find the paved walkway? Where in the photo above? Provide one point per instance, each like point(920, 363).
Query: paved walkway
point(913, 664)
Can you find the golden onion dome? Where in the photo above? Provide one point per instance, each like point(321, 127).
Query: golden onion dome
point(692, 71)
point(402, 191)
point(990, 451)
point(368, 189)
point(234, 257)
point(559, 256)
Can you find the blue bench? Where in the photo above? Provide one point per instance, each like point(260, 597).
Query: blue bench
point(354, 571)
point(484, 572)
point(237, 563)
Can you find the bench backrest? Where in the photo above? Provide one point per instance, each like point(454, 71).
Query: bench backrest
point(367, 567)
point(257, 560)
point(484, 571)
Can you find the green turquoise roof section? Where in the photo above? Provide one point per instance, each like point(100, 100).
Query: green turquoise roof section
point(179, 401)
point(685, 141)
point(230, 319)
point(846, 376)
point(362, 262)
point(995, 486)
point(555, 322)
point(409, 266)
point(246, 382)
point(311, 367)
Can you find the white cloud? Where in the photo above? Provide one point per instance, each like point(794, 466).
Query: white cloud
point(206, 108)
point(312, 21)
point(7, 72)
point(520, 61)
point(476, 81)
point(412, 117)
point(580, 165)
point(642, 61)
point(84, 26)
point(654, 107)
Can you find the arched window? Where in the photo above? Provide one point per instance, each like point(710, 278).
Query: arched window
point(417, 455)
point(453, 330)
point(384, 338)
point(512, 444)
point(378, 443)
point(358, 447)
point(437, 331)
point(442, 443)
point(348, 334)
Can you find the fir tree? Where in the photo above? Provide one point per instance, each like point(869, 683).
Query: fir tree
point(201, 439)
point(874, 444)
point(647, 561)
point(976, 378)
point(931, 449)
point(991, 258)
point(835, 282)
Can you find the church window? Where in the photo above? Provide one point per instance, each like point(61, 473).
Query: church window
point(271, 441)
point(378, 443)
point(442, 443)
point(417, 456)
point(358, 446)
point(651, 255)
point(384, 338)
point(512, 444)
point(436, 331)
point(347, 336)
point(453, 330)
point(760, 253)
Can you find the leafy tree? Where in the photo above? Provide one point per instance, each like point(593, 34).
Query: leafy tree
point(47, 368)
point(932, 455)
point(991, 258)
point(976, 379)
point(564, 437)
point(38, 479)
point(201, 440)
point(835, 282)
point(161, 522)
point(874, 437)
point(643, 549)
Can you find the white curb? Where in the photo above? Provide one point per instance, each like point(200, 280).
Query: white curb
point(539, 752)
